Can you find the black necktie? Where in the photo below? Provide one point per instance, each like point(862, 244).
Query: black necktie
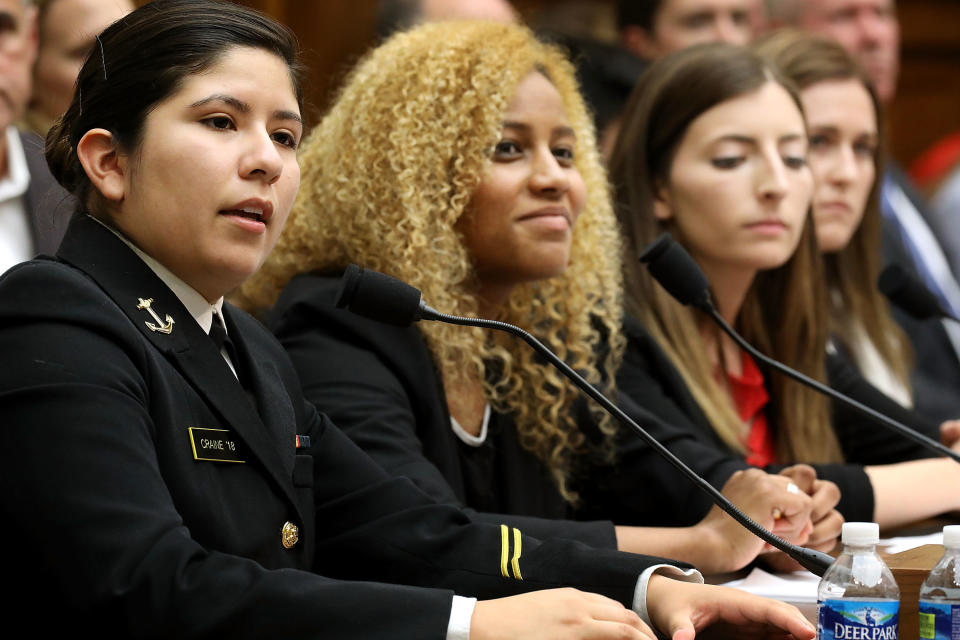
point(218, 333)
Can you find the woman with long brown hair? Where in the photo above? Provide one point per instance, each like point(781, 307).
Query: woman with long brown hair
point(714, 150)
point(844, 118)
point(846, 145)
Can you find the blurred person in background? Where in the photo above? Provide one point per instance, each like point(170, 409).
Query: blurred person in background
point(606, 70)
point(653, 28)
point(31, 221)
point(843, 117)
point(867, 29)
point(944, 193)
point(399, 15)
point(67, 30)
point(870, 32)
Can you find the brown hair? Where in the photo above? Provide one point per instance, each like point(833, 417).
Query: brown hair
point(851, 273)
point(783, 312)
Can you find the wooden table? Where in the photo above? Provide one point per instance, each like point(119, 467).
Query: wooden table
point(910, 568)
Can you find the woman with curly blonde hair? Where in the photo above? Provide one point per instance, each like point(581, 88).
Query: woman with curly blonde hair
point(379, 188)
point(460, 158)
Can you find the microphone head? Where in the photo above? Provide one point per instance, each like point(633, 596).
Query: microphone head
point(671, 266)
point(909, 294)
point(379, 297)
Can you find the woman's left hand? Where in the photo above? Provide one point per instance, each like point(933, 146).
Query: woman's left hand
point(683, 610)
point(827, 521)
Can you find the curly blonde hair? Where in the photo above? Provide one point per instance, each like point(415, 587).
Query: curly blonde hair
point(390, 170)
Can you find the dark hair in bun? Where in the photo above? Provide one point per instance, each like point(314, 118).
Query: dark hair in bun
point(143, 58)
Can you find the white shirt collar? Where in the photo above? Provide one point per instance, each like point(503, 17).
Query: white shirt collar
point(198, 307)
point(15, 183)
point(466, 436)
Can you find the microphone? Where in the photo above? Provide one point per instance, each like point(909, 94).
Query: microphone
point(379, 297)
point(675, 278)
point(910, 295)
point(369, 293)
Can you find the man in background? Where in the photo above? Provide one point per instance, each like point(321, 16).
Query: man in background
point(67, 31)
point(34, 210)
point(651, 29)
point(867, 29)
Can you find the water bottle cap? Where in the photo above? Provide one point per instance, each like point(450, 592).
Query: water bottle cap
point(860, 533)
point(951, 535)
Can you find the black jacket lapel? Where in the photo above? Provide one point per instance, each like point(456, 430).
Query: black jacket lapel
point(273, 401)
point(128, 280)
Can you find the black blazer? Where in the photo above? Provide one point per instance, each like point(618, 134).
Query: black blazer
point(649, 378)
point(380, 385)
point(113, 527)
point(935, 378)
point(47, 205)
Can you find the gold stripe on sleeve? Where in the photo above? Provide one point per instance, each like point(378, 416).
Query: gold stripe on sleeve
point(504, 550)
point(516, 554)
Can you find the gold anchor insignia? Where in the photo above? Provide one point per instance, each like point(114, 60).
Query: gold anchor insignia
point(161, 326)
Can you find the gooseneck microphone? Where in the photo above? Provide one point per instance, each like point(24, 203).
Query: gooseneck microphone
point(910, 295)
point(677, 272)
point(385, 299)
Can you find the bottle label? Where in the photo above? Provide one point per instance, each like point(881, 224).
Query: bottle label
point(939, 620)
point(858, 619)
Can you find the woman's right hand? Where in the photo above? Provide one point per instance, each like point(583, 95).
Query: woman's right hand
point(950, 434)
point(556, 614)
point(767, 499)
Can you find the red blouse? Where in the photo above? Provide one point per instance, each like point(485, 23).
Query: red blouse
point(751, 398)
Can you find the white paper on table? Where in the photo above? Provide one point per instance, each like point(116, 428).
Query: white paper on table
point(796, 587)
point(800, 587)
point(896, 545)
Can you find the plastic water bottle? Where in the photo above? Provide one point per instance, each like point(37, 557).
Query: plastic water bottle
point(858, 599)
point(940, 592)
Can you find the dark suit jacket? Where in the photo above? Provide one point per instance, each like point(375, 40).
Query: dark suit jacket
point(48, 206)
point(935, 379)
point(379, 384)
point(112, 527)
point(650, 379)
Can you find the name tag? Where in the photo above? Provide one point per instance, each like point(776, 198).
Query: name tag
point(215, 445)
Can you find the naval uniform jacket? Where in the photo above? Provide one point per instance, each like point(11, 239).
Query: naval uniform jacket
point(114, 521)
point(380, 385)
point(650, 379)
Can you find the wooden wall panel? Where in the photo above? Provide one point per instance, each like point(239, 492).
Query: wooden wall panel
point(333, 35)
point(927, 105)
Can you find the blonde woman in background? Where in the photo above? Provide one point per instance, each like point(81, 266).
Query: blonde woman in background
point(460, 158)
